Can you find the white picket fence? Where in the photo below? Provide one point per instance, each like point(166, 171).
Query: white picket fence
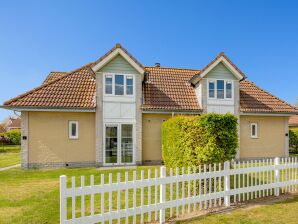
point(164, 195)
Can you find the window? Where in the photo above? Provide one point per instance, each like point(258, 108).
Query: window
point(254, 130)
point(229, 90)
point(220, 84)
point(73, 129)
point(119, 85)
point(211, 89)
point(220, 89)
point(109, 84)
point(129, 85)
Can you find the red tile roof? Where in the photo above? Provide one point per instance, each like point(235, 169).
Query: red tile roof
point(164, 89)
point(293, 121)
point(52, 76)
point(254, 99)
point(15, 123)
point(72, 90)
point(169, 89)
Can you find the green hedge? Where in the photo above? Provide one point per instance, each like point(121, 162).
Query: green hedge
point(14, 136)
point(293, 140)
point(192, 140)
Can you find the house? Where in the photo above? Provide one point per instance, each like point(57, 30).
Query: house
point(11, 123)
point(2, 129)
point(110, 111)
point(293, 122)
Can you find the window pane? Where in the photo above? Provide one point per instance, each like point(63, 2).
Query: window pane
point(109, 89)
point(228, 90)
point(119, 84)
point(119, 90)
point(129, 81)
point(119, 80)
point(111, 144)
point(129, 86)
point(211, 89)
point(220, 89)
point(73, 129)
point(108, 85)
point(129, 90)
point(126, 143)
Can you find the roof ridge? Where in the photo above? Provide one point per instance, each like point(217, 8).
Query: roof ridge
point(265, 91)
point(45, 84)
point(193, 69)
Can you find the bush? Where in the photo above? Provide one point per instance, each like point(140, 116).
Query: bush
point(192, 140)
point(14, 136)
point(293, 140)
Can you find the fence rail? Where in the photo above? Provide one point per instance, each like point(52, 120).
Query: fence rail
point(155, 198)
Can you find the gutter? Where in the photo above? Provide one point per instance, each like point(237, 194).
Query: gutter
point(161, 111)
point(49, 109)
point(268, 114)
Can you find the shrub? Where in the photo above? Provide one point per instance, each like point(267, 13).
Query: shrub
point(14, 136)
point(191, 140)
point(293, 140)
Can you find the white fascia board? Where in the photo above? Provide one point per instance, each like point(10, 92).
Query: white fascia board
point(110, 57)
point(227, 64)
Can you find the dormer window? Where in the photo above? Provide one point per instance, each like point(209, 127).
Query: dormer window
point(118, 85)
point(220, 89)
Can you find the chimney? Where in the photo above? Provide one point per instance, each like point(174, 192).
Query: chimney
point(157, 64)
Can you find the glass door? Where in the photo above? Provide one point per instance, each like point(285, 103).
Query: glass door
point(111, 144)
point(119, 144)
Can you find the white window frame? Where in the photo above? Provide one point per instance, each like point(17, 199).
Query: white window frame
point(215, 89)
point(125, 76)
point(119, 139)
point(70, 130)
point(256, 130)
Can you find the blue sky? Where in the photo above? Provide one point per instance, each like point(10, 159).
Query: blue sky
point(260, 37)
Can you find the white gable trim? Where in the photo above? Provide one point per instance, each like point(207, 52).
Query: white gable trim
point(112, 55)
point(227, 64)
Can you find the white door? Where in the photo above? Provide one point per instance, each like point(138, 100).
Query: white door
point(119, 144)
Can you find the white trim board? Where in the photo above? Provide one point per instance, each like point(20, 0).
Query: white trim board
point(112, 55)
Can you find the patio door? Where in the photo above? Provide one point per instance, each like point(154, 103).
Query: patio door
point(119, 144)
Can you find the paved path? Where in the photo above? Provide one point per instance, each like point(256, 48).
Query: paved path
point(9, 167)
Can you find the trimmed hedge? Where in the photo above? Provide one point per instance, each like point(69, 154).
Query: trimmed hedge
point(14, 136)
point(192, 140)
point(293, 140)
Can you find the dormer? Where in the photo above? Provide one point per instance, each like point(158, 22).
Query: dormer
point(217, 86)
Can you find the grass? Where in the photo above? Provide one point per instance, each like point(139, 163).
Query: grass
point(9, 148)
point(32, 196)
point(277, 213)
point(9, 155)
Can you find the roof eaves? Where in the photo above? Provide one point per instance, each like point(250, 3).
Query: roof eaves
point(6, 103)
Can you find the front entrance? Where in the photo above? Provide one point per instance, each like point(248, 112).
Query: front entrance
point(119, 144)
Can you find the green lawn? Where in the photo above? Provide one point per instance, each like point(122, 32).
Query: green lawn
point(32, 196)
point(9, 155)
point(278, 213)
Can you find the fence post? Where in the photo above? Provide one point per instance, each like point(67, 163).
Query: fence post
point(62, 199)
point(276, 176)
point(162, 194)
point(227, 183)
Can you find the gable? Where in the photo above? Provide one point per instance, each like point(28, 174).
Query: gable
point(220, 71)
point(118, 65)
